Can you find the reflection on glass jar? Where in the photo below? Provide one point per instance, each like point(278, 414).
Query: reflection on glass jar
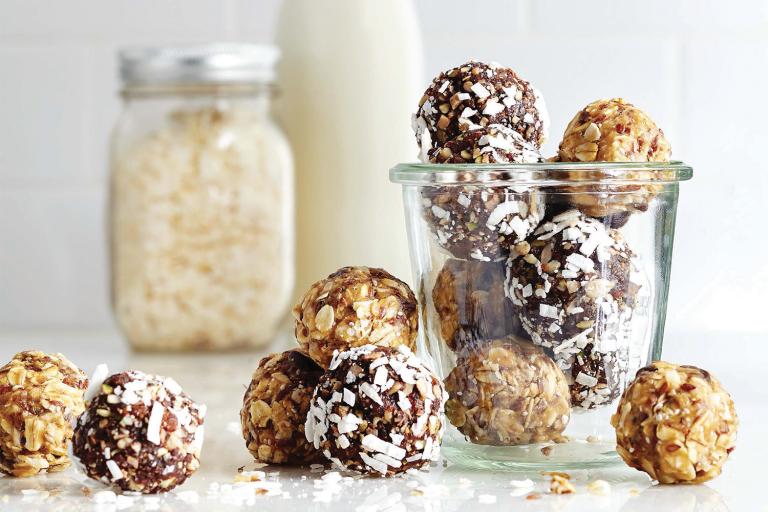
point(536, 314)
point(201, 206)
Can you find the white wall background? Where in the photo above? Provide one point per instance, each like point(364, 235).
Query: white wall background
point(698, 67)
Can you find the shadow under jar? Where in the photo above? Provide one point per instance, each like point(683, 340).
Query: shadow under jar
point(201, 200)
point(543, 290)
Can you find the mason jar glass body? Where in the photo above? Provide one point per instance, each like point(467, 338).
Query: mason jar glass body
point(200, 217)
point(543, 290)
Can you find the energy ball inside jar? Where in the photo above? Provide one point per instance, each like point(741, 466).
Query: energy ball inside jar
point(352, 307)
point(475, 95)
point(508, 392)
point(140, 433)
point(572, 281)
point(478, 222)
point(470, 303)
point(676, 423)
point(377, 410)
point(40, 397)
point(275, 408)
point(612, 131)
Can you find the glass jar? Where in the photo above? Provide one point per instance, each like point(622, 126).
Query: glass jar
point(543, 289)
point(201, 200)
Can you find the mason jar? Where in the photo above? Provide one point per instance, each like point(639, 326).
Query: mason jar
point(543, 289)
point(201, 200)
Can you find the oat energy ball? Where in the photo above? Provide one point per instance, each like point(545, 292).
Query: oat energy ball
point(612, 131)
point(573, 284)
point(508, 392)
point(676, 423)
point(481, 222)
point(470, 303)
point(140, 433)
point(493, 144)
point(475, 95)
point(275, 408)
point(355, 306)
point(377, 410)
point(40, 397)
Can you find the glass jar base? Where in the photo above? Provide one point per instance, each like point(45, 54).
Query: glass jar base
point(574, 454)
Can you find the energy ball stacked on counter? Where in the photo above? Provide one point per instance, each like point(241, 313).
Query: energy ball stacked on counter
point(676, 423)
point(40, 396)
point(354, 393)
point(140, 433)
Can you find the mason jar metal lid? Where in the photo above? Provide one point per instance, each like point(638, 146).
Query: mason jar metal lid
point(219, 63)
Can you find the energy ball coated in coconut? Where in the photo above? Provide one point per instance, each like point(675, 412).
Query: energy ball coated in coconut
point(475, 95)
point(508, 392)
point(377, 410)
point(573, 282)
point(140, 433)
point(612, 131)
point(480, 222)
point(275, 408)
point(352, 307)
point(471, 305)
point(493, 144)
point(40, 397)
point(676, 423)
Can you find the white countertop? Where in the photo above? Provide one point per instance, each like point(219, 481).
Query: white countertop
point(219, 381)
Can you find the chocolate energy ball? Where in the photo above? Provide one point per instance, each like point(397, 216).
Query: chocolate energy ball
point(471, 305)
point(140, 433)
point(612, 131)
point(481, 222)
point(676, 423)
point(573, 284)
point(355, 306)
point(475, 95)
point(40, 397)
point(508, 392)
point(275, 408)
point(377, 410)
point(493, 144)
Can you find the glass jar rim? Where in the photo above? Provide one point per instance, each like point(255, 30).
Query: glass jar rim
point(541, 173)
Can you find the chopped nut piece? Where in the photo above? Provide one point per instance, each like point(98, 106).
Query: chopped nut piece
point(507, 392)
point(355, 306)
point(560, 483)
point(275, 408)
point(675, 423)
point(40, 396)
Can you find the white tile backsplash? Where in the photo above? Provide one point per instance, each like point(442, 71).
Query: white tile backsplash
point(697, 66)
point(52, 257)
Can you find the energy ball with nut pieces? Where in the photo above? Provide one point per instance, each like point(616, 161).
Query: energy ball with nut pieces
point(493, 144)
point(676, 423)
point(481, 222)
point(471, 305)
point(475, 95)
point(275, 408)
point(377, 410)
point(508, 392)
point(140, 433)
point(40, 397)
point(352, 307)
point(573, 282)
point(612, 131)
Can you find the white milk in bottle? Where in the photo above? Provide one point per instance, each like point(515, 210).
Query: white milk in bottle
point(349, 79)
